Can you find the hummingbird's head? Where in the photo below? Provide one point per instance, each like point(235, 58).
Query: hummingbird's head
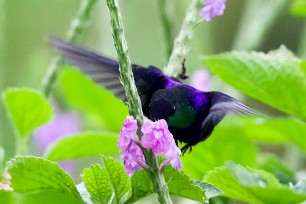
point(162, 105)
point(175, 105)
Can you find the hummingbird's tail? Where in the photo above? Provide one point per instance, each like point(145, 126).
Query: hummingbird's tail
point(104, 71)
point(221, 104)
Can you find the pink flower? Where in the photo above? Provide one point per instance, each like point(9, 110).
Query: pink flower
point(133, 158)
point(156, 137)
point(212, 8)
point(131, 153)
point(173, 157)
point(127, 131)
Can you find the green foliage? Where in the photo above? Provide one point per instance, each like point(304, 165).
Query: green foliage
point(181, 185)
point(228, 142)
point(274, 130)
point(46, 197)
point(298, 8)
point(84, 193)
point(300, 187)
point(210, 190)
point(277, 81)
point(33, 174)
point(264, 130)
point(275, 166)
point(253, 186)
point(109, 183)
point(85, 144)
point(87, 96)
point(28, 109)
point(98, 184)
point(6, 197)
point(141, 186)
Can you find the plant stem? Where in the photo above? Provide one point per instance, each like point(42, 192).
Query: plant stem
point(134, 104)
point(158, 179)
point(77, 27)
point(126, 74)
point(181, 48)
point(166, 24)
point(256, 20)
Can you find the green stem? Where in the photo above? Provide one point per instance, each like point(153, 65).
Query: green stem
point(126, 74)
point(77, 27)
point(257, 18)
point(158, 179)
point(134, 104)
point(166, 24)
point(181, 43)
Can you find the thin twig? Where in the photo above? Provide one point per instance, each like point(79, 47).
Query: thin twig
point(181, 44)
point(77, 27)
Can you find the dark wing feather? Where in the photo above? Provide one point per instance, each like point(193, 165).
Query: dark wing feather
point(105, 72)
point(100, 69)
point(221, 104)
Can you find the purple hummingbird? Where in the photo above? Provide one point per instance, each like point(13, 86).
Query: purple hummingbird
point(191, 114)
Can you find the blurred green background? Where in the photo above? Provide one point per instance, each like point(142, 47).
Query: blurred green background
point(26, 25)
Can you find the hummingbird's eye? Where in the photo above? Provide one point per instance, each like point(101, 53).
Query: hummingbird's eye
point(173, 110)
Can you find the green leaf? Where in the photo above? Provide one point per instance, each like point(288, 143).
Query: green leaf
point(46, 197)
point(227, 142)
point(109, 183)
point(141, 186)
point(85, 144)
point(223, 180)
point(210, 190)
point(252, 186)
point(89, 97)
point(84, 193)
point(274, 130)
point(28, 109)
point(32, 174)
point(275, 166)
point(279, 82)
point(181, 185)
point(298, 8)
point(98, 184)
point(300, 187)
point(6, 197)
point(121, 182)
point(268, 130)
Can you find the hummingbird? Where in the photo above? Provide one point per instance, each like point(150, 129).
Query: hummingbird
point(191, 114)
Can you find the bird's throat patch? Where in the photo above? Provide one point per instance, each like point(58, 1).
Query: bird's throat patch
point(182, 118)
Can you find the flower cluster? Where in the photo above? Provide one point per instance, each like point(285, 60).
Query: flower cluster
point(212, 8)
point(156, 137)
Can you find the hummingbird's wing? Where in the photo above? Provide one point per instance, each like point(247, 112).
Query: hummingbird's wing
point(221, 104)
point(105, 72)
point(100, 69)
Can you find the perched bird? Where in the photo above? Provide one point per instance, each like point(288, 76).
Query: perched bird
point(191, 114)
